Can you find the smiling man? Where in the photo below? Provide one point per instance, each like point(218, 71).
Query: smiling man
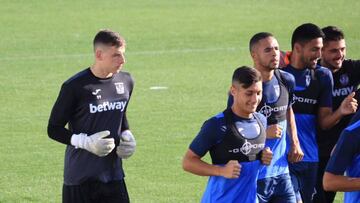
point(235, 140)
point(312, 105)
point(346, 75)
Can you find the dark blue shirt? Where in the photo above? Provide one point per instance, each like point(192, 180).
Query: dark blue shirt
point(313, 90)
point(346, 157)
point(220, 189)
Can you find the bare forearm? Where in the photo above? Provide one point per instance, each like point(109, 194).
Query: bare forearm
point(327, 118)
point(341, 183)
point(199, 167)
point(291, 127)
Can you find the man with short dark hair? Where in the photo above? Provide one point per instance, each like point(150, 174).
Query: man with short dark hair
point(274, 182)
point(92, 104)
point(235, 140)
point(312, 105)
point(346, 75)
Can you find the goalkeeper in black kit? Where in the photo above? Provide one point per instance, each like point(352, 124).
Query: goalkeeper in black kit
point(89, 116)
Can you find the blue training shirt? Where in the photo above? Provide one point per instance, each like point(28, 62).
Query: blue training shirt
point(313, 90)
point(274, 90)
point(220, 189)
point(346, 157)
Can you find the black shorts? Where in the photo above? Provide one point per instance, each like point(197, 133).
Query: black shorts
point(96, 192)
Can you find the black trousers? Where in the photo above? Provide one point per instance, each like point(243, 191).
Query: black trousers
point(322, 196)
point(96, 192)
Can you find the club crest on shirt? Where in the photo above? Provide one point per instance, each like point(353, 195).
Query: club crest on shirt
point(120, 89)
point(344, 79)
point(307, 80)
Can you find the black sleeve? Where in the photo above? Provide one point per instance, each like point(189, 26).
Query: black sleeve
point(60, 115)
point(125, 123)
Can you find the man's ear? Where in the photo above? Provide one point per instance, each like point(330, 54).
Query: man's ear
point(233, 90)
point(253, 55)
point(98, 54)
point(297, 47)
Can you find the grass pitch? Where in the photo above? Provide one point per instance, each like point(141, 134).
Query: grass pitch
point(190, 47)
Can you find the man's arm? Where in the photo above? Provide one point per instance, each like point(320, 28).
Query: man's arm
point(332, 182)
point(346, 149)
point(60, 116)
point(193, 164)
point(295, 154)
point(327, 118)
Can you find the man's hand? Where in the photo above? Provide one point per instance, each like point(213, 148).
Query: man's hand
point(295, 154)
point(266, 156)
point(127, 145)
point(95, 143)
point(273, 131)
point(231, 170)
point(348, 105)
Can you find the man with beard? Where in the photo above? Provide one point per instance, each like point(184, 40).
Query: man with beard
point(274, 183)
point(312, 105)
point(346, 75)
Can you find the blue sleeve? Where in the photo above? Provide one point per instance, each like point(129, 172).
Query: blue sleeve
point(345, 151)
point(327, 85)
point(290, 83)
point(355, 118)
point(209, 135)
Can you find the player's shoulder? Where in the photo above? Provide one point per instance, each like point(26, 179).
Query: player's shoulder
point(286, 68)
point(351, 63)
point(126, 76)
point(287, 77)
point(214, 122)
point(80, 76)
point(351, 66)
point(354, 126)
point(351, 134)
point(218, 118)
point(322, 70)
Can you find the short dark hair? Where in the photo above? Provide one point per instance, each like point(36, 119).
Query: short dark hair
point(257, 37)
point(332, 33)
point(109, 38)
point(246, 76)
point(305, 33)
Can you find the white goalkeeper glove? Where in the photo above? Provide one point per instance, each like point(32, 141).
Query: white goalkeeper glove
point(127, 145)
point(95, 143)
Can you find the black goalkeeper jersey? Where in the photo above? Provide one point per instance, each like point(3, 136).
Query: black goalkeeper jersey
point(346, 80)
point(87, 104)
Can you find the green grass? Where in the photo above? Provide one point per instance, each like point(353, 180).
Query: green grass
point(191, 47)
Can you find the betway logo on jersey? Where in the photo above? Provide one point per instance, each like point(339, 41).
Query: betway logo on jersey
point(107, 106)
point(342, 91)
point(304, 100)
point(266, 110)
point(246, 148)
